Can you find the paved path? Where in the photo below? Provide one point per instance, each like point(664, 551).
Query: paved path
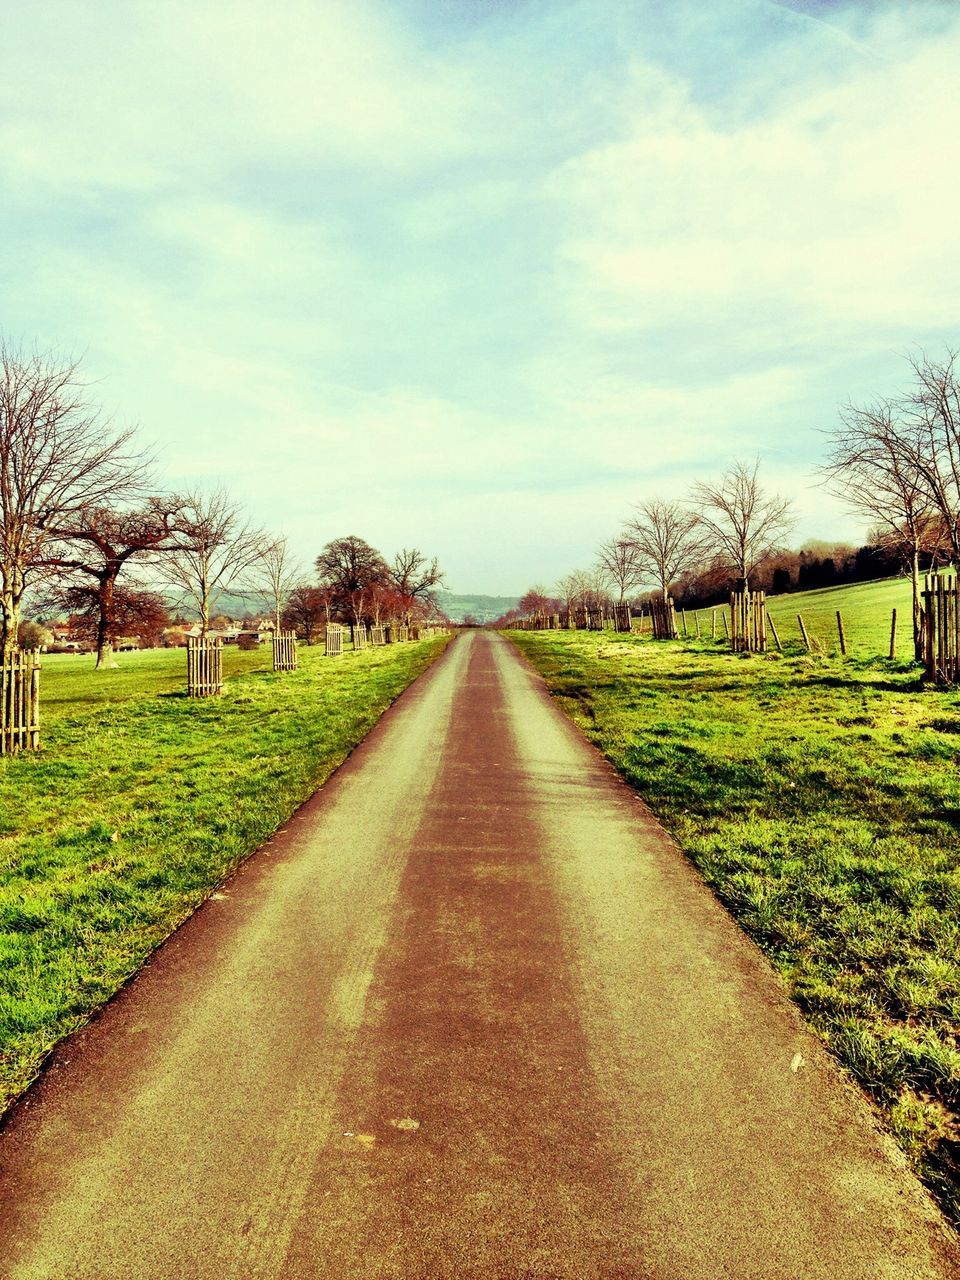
point(469, 1015)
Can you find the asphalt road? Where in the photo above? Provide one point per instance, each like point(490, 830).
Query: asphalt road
point(469, 1015)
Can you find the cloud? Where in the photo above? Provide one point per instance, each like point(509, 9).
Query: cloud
point(151, 96)
point(831, 211)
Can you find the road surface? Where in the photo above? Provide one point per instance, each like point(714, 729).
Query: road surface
point(469, 1015)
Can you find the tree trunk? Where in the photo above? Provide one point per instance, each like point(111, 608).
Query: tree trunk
point(105, 624)
point(9, 621)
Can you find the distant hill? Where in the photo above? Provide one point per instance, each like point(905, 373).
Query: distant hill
point(483, 608)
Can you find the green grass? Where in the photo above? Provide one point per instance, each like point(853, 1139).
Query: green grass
point(820, 798)
point(142, 801)
point(866, 609)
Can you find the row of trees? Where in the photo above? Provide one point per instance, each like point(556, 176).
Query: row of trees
point(732, 526)
point(85, 530)
point(356, 583)
point(895, 462)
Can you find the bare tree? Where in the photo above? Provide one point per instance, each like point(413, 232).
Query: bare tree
point(306, 608)
point(874, 466)
point(534, 600)
point(216, 548)
point(740, 522)
point(413, 577)
point(621, 563)
point(932, 409)
point(349, 567)
point(275, 575)
point(89, 551)
point(57, 456)
point(667, 540)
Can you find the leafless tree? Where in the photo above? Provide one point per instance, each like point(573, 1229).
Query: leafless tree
point(932, 410)
point(668, 541)
point(621, 563)
point(57, 455)
point(874, 465)
point(275, 575)
point(307, 607)
point(217, 547)
point(90, 549)
point(739, 521)
point(534, 600)
point(414, 577)
point(349, 567)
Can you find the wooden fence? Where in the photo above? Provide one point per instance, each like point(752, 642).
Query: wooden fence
point(664, 619)
point(941, 628)
point(20, 702)
point(334, 640)
point(285, 651)
point(204, 667)
point(748, 622)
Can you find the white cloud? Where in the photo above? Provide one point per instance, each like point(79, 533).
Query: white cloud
point(835, 210)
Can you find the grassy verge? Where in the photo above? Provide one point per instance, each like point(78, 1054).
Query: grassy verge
point(140, 804)
point(821, 801)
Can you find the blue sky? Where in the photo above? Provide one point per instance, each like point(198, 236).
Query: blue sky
point(479, 275)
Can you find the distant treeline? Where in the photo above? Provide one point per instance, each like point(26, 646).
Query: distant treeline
point(816, 564)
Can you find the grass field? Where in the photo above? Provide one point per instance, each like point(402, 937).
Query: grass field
point(866, 608)
point(142, 800)
point(820, 798)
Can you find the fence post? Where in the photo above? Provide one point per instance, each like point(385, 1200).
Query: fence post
point(893, 635)
point(843, 641)
point(773, 628)
point(803, 632)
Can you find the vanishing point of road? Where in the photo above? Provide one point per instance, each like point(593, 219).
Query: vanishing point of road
point(470, 1014)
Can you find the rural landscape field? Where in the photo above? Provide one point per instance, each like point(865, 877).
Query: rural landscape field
point(480, 640)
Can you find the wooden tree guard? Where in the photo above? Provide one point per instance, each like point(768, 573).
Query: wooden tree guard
point(358, 635)
point(334, 640)
point(403, 633)
point(284, 651)
point(621, 617)
point(664, 618)
point(377, 635)
point(748, 622)
point(941, 630)
point(595, 619)
point(20, 702)
point(204, 666)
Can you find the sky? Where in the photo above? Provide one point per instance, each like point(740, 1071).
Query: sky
point(479, 276)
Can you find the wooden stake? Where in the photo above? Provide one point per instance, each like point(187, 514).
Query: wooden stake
point(683, 619)
point(726, 628)
point(803, 632)
point(893, 635)
point(773, 628)
point(713, 622)
point(843, 639)
point(696, 618)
